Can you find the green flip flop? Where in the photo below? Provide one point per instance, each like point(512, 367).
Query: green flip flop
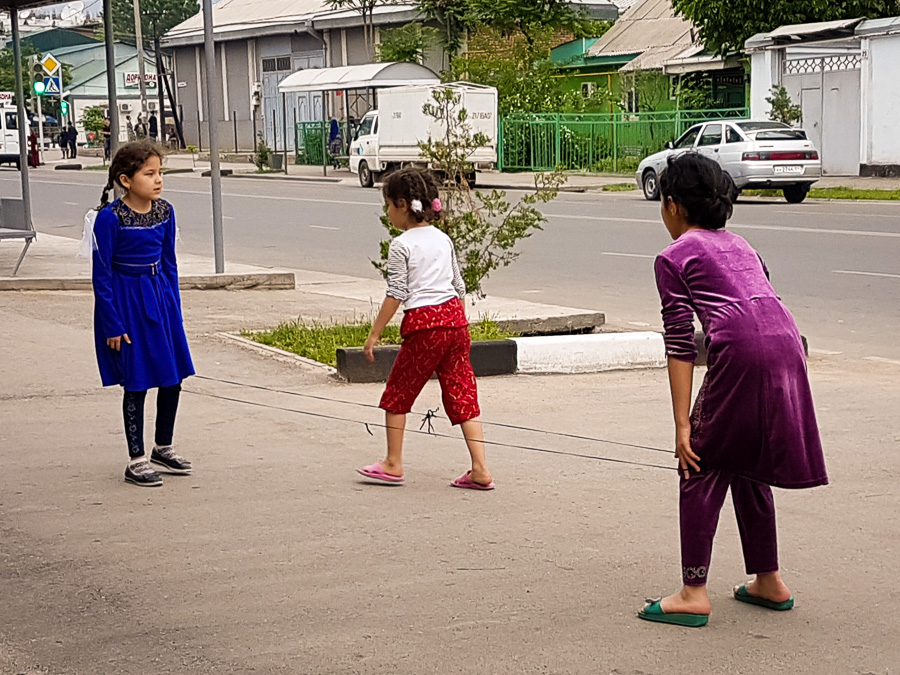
point(741, 594)
point(652, 611)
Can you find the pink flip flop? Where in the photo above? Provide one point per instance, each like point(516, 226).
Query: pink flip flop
point(465, 481)
point(375, 472)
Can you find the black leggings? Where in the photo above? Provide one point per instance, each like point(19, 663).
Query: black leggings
point(133, 413)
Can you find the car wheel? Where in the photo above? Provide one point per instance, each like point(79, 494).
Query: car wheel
point(650, 183)
point(795, 194)
point(365, 175)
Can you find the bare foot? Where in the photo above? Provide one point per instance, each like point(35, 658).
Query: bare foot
point(691, 600)
point(481, 476)
point(392, 468)
point(769, 586)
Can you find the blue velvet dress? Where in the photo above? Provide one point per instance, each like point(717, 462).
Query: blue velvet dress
point(135, 279)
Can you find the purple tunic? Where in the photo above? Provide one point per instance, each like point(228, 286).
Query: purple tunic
point(754, 414)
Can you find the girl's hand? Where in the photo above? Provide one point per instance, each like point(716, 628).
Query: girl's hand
point(369, 348)
point(687, 458)
point(116, 342)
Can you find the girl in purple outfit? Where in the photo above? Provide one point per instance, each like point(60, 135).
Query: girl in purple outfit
point(753, 424)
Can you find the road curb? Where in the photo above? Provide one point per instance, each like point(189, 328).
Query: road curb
point(270, 281)
point(528, 355)
point(272, 176)
point(489, 357)
point(590, 353)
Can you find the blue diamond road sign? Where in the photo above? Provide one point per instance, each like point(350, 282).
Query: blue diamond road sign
point(52, 86)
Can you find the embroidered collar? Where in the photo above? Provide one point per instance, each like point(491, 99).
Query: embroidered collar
point(160, 211)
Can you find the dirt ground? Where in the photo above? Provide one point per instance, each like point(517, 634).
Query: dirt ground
point(274, 558)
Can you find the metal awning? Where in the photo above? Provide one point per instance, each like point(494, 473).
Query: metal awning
point(367, 76)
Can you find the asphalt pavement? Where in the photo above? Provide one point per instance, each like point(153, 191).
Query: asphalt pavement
point(835, 263)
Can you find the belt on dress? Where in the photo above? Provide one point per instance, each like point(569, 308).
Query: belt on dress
point(137, 270)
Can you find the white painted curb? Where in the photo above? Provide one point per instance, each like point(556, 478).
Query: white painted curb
point(590, 353)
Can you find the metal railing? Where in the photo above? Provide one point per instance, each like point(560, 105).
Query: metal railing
point(593, 142)
point(308, 142)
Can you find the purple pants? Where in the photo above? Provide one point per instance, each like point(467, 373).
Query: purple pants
point(702, 497)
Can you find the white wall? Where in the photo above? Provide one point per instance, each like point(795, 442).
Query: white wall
point(765, 73)
point(881, 137)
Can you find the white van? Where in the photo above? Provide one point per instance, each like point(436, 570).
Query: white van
point(388, 138)
point(9, 136)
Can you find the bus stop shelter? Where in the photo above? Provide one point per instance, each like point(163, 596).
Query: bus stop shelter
point(346, 78)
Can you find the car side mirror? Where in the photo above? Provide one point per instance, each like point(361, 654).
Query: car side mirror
point(670, 145)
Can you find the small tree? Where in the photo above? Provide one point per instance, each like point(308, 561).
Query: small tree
point(406, 44)
point(484, 227)
point(782, 108)
point(92, 120)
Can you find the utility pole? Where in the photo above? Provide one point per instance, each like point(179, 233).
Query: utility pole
point(212, 121)
point(139, 38)
point(111, 80)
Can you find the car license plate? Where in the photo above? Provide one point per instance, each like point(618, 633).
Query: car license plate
point(788, 169)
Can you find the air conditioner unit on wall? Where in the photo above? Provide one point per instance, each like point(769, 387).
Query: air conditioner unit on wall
point(125, 107)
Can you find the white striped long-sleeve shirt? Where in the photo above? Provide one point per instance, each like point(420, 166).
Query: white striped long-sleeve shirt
point(422, 269)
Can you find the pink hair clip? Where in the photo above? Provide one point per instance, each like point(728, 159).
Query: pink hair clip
point(436, 205)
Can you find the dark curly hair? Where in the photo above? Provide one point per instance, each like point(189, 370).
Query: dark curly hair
point(414, 183)
point(127, 161)
point(700, 187)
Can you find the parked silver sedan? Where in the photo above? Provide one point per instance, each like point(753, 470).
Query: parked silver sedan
point(754, 154)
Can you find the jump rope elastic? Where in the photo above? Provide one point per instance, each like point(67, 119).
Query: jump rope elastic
point(427, 418)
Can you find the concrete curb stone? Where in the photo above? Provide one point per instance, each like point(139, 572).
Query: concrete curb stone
point(189, 282)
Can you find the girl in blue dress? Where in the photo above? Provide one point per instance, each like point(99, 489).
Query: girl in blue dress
point(138, 327)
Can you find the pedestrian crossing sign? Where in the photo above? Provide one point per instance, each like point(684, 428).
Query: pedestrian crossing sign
point(52, 86)
point(50, 64)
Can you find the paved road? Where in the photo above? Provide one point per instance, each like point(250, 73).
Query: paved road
point(837, 264)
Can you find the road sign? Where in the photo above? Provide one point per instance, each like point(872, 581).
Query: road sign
point(52, 86)
point(6, 98)
point(50, 64)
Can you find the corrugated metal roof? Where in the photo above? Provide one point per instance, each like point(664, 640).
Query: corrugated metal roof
point(235, 14)
point(647, 25)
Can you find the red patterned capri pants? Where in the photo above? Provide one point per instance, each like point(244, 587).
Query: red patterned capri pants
point(424, 352)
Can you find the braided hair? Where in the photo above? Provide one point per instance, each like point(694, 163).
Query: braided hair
point(413, 184)
point(127, 161)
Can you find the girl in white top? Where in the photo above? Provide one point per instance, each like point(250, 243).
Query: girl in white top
point(424, 276)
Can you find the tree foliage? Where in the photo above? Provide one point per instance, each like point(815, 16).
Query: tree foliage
point(726, 26)
point(366, 10)
point(157, 16)
point(525, 77)
point(406, 44)
point(485, 227)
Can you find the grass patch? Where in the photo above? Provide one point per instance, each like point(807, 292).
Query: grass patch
point(619, 187)
point(834, 193)
point(320, 342)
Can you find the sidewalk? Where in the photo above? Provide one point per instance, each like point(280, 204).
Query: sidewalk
point(52, 265)
point(274, 557)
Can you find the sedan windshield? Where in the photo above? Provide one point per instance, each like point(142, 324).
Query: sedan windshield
point(772, 131)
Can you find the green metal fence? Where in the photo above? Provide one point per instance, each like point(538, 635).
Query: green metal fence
point(308, 141)
point(593, 142)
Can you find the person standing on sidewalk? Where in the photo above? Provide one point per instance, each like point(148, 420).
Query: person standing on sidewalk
point(424, 276)
point(154, 127)
point(138, 327)
point(72, 138)
point(753, 424)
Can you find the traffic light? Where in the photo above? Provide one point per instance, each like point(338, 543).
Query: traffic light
point(64, 108)
point(37, 78)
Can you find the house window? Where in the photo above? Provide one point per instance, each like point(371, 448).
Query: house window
point(588, 89)
point(631, 101)
point(273, 65)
